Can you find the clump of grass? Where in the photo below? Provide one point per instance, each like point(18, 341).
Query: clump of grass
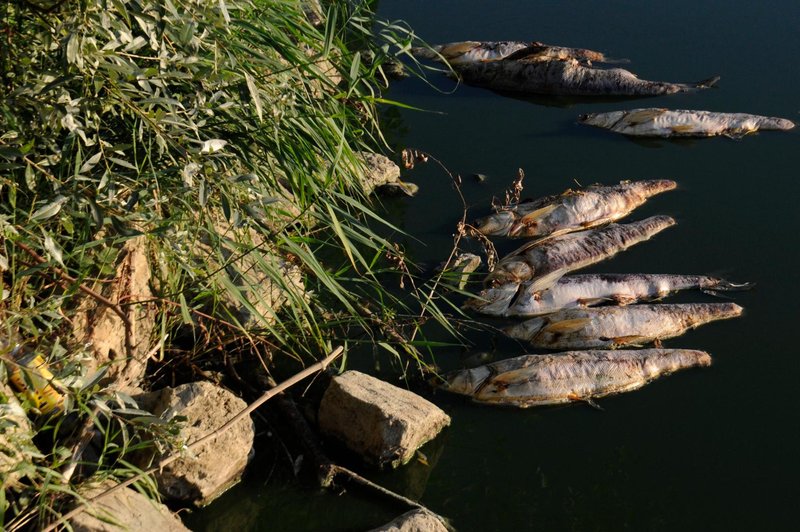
point(227, 134)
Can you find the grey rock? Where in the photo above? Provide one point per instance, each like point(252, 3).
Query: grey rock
point(126, 509)
point(383, 423)
point(379, 171)
point(414, 521)
point(203, 473)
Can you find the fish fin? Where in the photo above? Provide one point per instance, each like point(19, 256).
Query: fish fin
point(726, 286)
point(591, 301)
point(643, 115)
point(632, 340)
point(623, 300)
point(589, 401)
point(457, 49)
point(546, 281)
point(682, 128)
point(530, 219)
point(707, 83)
point(566, 326)
point(741, 134)
point(715, 293)
point(529, 52)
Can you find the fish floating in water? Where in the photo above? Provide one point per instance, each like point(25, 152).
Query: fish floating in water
point(463, 52)
point(534, 380)
point(573, 251)
point(572, 210)
point(566, 78)
point(612, 327)
point(537, 68)
point(584, 290)
point(680, 123)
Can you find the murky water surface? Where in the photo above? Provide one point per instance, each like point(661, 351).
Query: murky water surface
point(712, 449)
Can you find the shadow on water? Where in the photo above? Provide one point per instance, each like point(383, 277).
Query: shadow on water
point(566, 102)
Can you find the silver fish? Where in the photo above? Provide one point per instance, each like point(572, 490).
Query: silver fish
point(534, 380)
point(573, 251)
point(682, 123)
point(572, 210)
point(570, 77)
point(612, 327)
point(463, 52)
point(584, 290)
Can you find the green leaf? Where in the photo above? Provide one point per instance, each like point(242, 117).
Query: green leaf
point(90, 163)
point(185, 313)
point(251, 86)
point(49, 210)
point(52, 248)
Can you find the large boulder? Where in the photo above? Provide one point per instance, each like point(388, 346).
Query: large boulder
point(103, 330)
point(125, 509)
point(205, 472)
point(381, 422)
point(414, 521)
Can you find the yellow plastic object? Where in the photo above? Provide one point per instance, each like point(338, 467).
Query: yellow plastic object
point(31, 377)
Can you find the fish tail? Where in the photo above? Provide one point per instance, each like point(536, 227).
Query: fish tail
point(721, 285)
point(706, 83)
point(613, 60)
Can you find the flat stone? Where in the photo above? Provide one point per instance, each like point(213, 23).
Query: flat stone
point(203, 473)
point(381, 422)
point(126, 509)
point(414, 521)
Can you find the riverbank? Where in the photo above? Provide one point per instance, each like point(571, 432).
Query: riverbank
point(186, 201)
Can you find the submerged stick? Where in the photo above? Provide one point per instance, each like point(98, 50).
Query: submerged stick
point(314, 368)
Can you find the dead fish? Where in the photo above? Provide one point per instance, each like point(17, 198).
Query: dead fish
point(612, 327)
point(573, 251)
point(572, 210)
point(460, 53)
point(682, 123)
point(534, 380)
point(567, 78)
point(586, 290)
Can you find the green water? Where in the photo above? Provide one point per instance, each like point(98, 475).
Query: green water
point(712, 449)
